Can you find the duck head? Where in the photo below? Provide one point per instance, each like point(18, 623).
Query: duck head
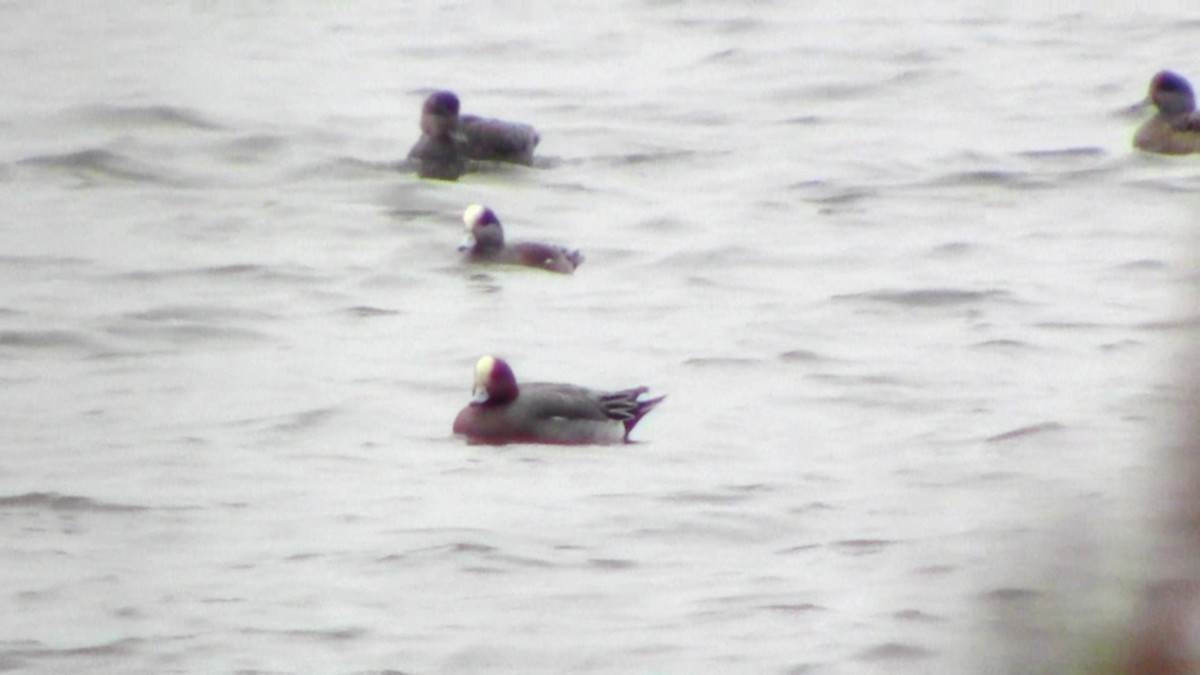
point(1171, 94)
point(484, 232)
point(439, 114)
point(495, 383)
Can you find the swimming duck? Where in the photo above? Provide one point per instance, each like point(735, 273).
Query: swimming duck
point(1175, 128)
point(485, 243)
point(438, 152)
point(447, 139)
point(538, 412)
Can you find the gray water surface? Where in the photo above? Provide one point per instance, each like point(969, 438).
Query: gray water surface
point(918, 309)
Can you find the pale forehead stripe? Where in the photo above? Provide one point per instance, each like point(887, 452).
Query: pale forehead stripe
point(484, 367)
point(473, 213)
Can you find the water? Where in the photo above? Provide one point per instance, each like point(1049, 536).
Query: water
point(918, 310)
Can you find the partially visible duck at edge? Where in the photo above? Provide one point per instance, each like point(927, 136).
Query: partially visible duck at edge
point(448, 139)
point(484, 243)
point(540, 412)
point(1175, 127)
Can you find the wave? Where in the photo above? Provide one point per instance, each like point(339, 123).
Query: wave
point(54, 501)
point(99, 165)
point(45, 340)
point(927, 297)
point(144, 116)
point(235, 271)
point(1022, 432)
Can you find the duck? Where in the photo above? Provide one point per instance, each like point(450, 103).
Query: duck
point(1175, 127)
point(484, 243)
point(438, 152)
point(449, 139)
point(541, 412)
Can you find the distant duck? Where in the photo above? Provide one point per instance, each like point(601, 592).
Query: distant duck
point(537, 412)
point(438, 151)
point(1175, 128)
point(448, 140)
point(484, 243)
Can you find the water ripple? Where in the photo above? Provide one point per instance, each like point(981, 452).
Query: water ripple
point(45, 340)
point(927, 297)
point(183, 332)
point(285, 275)
point(163, 116)
point(54, 501)
point(305, 420)
point(98, 166)
point(367, 312)
point(197, 313)
point(122, 647)
point(859, 547)
point(895, 651)
point(1021, 432)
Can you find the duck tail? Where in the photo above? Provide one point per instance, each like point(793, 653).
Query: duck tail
point(642, 409)
point(575, 256)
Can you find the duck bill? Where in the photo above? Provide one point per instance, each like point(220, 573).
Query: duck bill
point(479, 395)
point(467, 243)
point(1141, 106)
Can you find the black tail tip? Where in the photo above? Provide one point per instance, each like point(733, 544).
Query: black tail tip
point(643, 409)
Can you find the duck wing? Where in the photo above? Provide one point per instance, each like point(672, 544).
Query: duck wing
point(546, 400)
point(492, 139)
point(567, 401)
point(1188, 123)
